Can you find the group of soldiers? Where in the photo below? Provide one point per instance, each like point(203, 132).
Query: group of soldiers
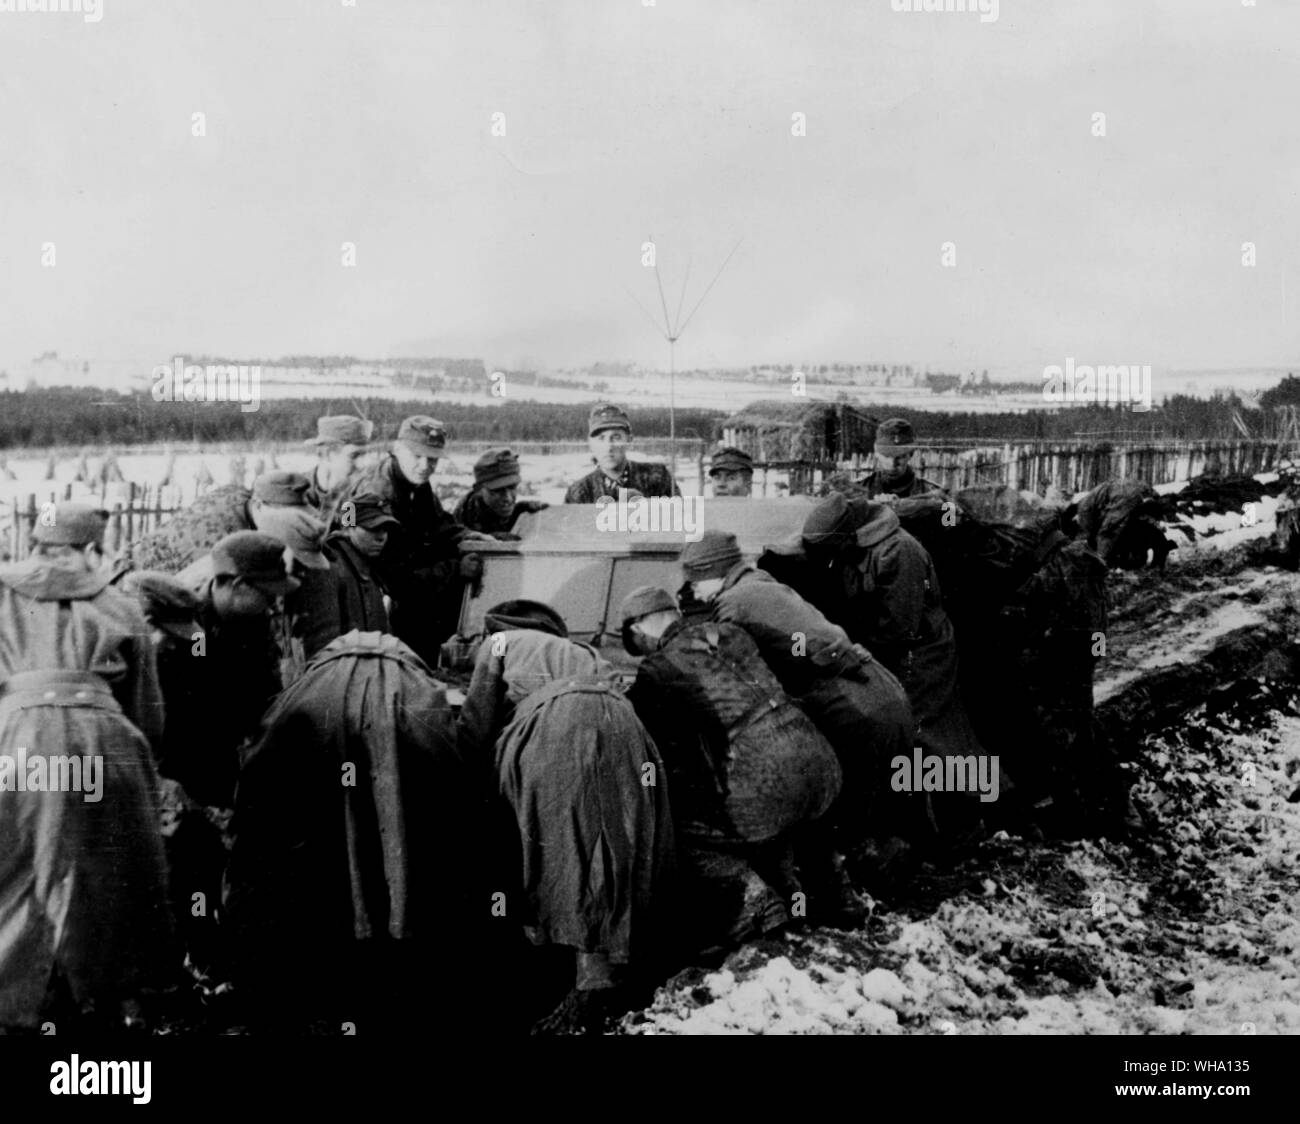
point(266, 638)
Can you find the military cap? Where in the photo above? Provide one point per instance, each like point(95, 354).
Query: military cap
point(497, 468)
point(731, 459)
point(424, 435)
point(368, 510)
point(643, 601)
point(71, 524)
point(167, 604)
point(826, 521)
point(283, 489)
point(341, 429)
point(605, 415)
point(524, 614)
point(713, 556)
point(256, 558)
point(895, 437)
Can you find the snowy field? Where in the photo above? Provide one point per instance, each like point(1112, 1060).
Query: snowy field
point(545, 477)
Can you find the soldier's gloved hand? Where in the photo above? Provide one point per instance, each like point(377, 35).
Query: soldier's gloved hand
point(507, 536)
point(471, 567)
point(476, 536)
point(532, 507)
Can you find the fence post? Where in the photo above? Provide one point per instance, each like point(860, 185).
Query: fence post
point(114, 536)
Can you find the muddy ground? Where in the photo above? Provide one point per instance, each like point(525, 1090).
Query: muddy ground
point(1193, 927)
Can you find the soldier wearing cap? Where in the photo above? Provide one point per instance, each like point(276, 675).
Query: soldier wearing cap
point(422, 566)
point(750, 774)
point(858, 704)
point(311, 618)
point(83, 883)
point(732, 472)
point(363, 525)
point(547, 728)
point(240, 607)
point(493, 506)
point(609, 435)
point(883, 589)
point(891, 478)
point(340, 440)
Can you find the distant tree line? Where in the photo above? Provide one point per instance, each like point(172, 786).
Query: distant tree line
point(74, 416)
point(77, 416)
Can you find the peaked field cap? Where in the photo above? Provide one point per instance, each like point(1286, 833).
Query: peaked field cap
point(826, 520)
point(71, 524)
point(497, 468)
point(423, 434)
point(256, 558)
point(712, 556)
point(895, 437)
point(731, 459)
point(167, 604)
point(535, 615)
point(605, 415)
point(643, 601)
point(370, 510)
point(286, 489)
point(341, 429)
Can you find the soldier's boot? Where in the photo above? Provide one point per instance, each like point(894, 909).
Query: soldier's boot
point(832, 900)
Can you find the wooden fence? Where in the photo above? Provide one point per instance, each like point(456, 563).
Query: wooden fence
point(1069, 467)
point(141, 509)
point(1073, 467)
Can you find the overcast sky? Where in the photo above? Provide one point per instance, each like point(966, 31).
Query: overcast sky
point(372, 124)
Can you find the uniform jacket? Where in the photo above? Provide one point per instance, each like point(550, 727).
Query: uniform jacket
point(742, 758)
point(916, 494)
point(893, 603)
point(360, 591)
point(425, 547)
point(83, 883)
point(510, 666)
point(327, 500)
point(1116, 513)
point(53, 619)
point(642, 476)
point(797, 641)
point(475, 514)
point(317, 864)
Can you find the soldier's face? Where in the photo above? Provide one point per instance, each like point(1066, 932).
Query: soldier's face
point(339, 462)
point(239, 598)
point(416, 466)
point(706, 590)
point(609, 448)
point(368, 542)
point(893, 466)
point(732, 482)
point(501, 501)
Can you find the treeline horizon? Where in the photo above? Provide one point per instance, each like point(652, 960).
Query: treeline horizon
point(80, 416)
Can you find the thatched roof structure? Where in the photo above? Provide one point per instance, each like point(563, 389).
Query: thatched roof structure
point(775, 431)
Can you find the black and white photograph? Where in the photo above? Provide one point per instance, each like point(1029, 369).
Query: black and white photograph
point(612, 519)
